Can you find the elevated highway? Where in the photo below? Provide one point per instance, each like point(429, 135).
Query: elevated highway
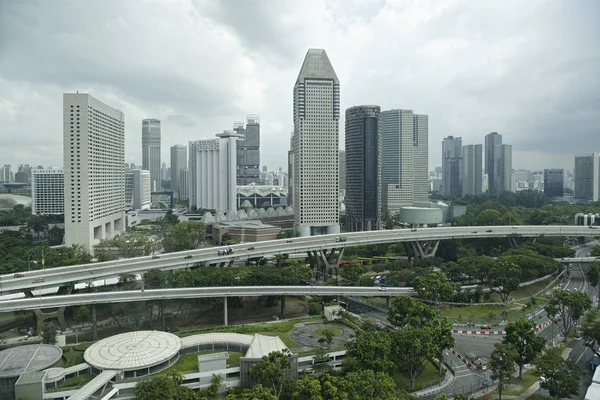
point(316, 246)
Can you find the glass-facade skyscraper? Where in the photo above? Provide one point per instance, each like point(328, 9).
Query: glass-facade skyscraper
point(151, 151)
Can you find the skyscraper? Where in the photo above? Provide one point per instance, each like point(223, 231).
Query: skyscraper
point(404, 159)
point(554, 182)
point(248, 152)
point(94, 170)
point(451, 166)
point(5, 173)
point(493, 142)
point(316, 146)
point(178, 162)
point(504, 171)
point(587, 177)
point(212, 166)
point(472, 170)
point(342, 170)
point(151, 151)
point(363, 168)
point(48, 191)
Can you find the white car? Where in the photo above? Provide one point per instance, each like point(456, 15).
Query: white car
point(382, 289)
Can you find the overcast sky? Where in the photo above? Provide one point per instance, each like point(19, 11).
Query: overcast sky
point(529, 70)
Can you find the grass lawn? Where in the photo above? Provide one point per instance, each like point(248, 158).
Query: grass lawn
point(76, 381)
point(429, 374)
point(75, 356)
point(334, 331)
point(189, 362)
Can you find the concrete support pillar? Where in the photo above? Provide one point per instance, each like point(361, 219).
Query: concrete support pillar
point(283, 307)
point(225, 322)
point(388, 302)
point(94, 324)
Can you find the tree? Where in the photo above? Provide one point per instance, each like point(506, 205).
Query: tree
point(257, 392)
point(272, 370)
point(215, 384)
point(371, 385)
point(502, 365)
point(82, 314)
point(163, 388)
point(595, 252)
point(369, 350)
point(155, 279)
point(187, 235)
point(49, 334)
point(568, 307)
point(591, 330)
point(504, 278)
point(433, 286)
point(559, 377)
point(412, 347)
point(327, 337)
point(406, 310)
point(527, 344)
point(593, 275)
point(352, 272)
point(321, 361)
point(308, 388)
point(488, 217)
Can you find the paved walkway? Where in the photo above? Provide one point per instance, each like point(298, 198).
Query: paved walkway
point(305, 335)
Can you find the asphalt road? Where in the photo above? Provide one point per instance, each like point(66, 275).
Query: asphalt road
point(480, 345)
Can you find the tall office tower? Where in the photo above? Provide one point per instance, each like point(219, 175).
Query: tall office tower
point(587, 177)
point(363, 168)
point(342, 170)
point(316, 146)
point(165, 172)
point(212, 165)
point(5, 173)
point(178, 162)
point(421, 158)
point(151, 151)
point(554, 182)
point(48, 191)
point(184, 184)
point(451, 166)
point(493, 143)
point(504, 170)
point(94, 165)
point(137, 190)
point(472, 170)
point(248, 151)
point(397, 159)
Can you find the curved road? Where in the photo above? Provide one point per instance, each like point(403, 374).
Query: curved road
point(88, 272)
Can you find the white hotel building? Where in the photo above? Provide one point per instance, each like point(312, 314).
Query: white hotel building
point(315, 146)
point(94, 166)
point(212, 172)
point(137, 190)
point(48, 191)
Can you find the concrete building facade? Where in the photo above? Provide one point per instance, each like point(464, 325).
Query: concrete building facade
point(178, 162)
point(363, 168)
point(94, 175)
point(316, 146)
point(184, 184)
point(137, 190)
point(504, 177)
point(48, 191)
point(587, 176)
point(248, 151)
point(493, 143)
point(151, 151)
point(452, 166)
point(342, 169)
point(472, 170)
point(421, 157)
point(213, 167)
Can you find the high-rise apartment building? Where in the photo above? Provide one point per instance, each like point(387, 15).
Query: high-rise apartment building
point(451, 166)
point(472, 169)
point(94, 170)
point(151, 151)
point(316, 146)
point(493, 143)
point(178, 163)
point(184, 184)
point(363, 168)
point(248, 151)
point(504, 170)
point(554, 182)
point(137, 190)
point(212, 165)
point(5, 173)
point(404, 176)
point(342, 170)
point(48, 191)
point(291, 172)
point(587, 177)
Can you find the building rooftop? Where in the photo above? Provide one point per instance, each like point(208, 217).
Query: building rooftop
point(133, 350)
point(34, 357)
point(254, 224)
point(31, 377)
point(263, 345)
point(316, 65)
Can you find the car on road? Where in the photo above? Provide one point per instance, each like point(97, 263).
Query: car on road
point(413, 230)
point(489, 231)
point(593, 227)
point(514, 227)
point(19, 275)
point(474, 232)
point(340, 239)
point(155, 256)
point(188, 257)
point(485, 327)
point(289, 241)
point(251, 248)
point(382, 289)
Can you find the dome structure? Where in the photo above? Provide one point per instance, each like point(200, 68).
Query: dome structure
point(252, 214)
point(220, 217)
point(280, 211)
point(241, 214)
point(271, 212)
point(9, 201)
point(207, 218)
point(262, 213)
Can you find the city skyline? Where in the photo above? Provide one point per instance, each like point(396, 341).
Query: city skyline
point(478, 90)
